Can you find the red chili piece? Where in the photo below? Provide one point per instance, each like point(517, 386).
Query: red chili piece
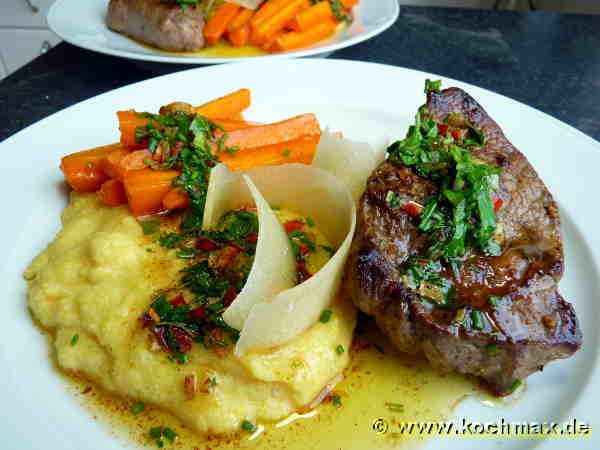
point(197, 313)
point(229, 296)
point(293, 225)
point(498, 204)
point(442, 129)
point(177, 301)
point(206, 244)
point(413, 208)
point(459, 133)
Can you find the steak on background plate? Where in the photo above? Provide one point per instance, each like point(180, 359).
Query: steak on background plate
point(163, 24)
point(493, 311)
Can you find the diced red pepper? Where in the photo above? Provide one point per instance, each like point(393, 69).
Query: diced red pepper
point(177, 301)
point(229, 296)
point(184, 340)
point(459, 134)
point(252, 238)
point(293, 225)
point(206, 245)
point(498, 204)
point(146, 320)
point(303, 249)
point(303, 273)
point(413, 208)
point(197, 313)
point(442, 128)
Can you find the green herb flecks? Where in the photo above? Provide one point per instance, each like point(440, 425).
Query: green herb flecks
point(138, 408)
point(325, 316)
point(248, 426)
point(74, 340)
point(461, 215)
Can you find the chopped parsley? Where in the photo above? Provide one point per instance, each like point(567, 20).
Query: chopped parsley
point(492, 349)
point(138, 408)
point(392, 199)
point(248, 426)
point(340, 349)
point(159, 434)
point(494, 300)
point(325, 316)
point(477, 319)
point(336, 400)
point(74, 340)
point(432, 85)
point(286, 152)
point(310, 222)
point(150, 226)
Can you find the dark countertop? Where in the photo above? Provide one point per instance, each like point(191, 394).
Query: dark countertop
point(548, 61)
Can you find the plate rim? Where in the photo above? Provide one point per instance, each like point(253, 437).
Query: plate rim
point(593, 377)
point(173, 59)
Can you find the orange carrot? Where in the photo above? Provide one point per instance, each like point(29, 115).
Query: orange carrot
point(111, 164)
point(294, 40)
point(269, 44)
point(274, 133)
point(267, 9)
point(348, 3)
point(175, 199)
point(128, 122)
point(112, 193)
point(146, 189)
point(277, 21)
point(217, 24)
point(240, 36)
point(226, 106)
point(301, 150)
point(311, 16)
point(83, 170)
point(234, 124)
point(241, 19)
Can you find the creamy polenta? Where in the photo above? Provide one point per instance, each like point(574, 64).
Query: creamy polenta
point(92, 284)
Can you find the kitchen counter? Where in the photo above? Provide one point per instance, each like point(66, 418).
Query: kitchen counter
point(548, 61)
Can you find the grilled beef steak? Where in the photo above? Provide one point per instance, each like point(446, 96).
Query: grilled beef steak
point(163, 24)
point(495, 314)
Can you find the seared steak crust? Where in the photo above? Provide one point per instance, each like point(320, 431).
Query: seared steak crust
point(155, 22)
point(531, 325)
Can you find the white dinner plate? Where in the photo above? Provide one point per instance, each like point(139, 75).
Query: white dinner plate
point(365, 101)
point(82, 23)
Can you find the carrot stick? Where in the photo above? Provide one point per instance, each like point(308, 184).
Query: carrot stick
point(269, 44)
point(294, 40)
point(348, 3)
point(240, 36)
point(241, 19)
point(83, 170)
point(277, 21)
point(301, 150)
point(217, 24)
point(175, 199)
point(267, 9)
point(226, 106)
point(274, 133)
point(112, 193)
point(128, 123)
point(111, 164)
point(311, 16)
point(234, 124)
point(146, 189)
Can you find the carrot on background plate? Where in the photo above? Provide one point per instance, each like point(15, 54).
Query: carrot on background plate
point(266, 10)
point(277, 22)
point(269, 44)
point(311, 16)
point(242, 18)
point(240, 36)
point(348, 3)
point(146, 189)
point(83, 170)
point(218, 22)
point(112, 193)
point(294, 39)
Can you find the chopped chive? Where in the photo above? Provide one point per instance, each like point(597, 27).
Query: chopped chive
point(138, 407)
point(248, 426)
point(395, 407)
point(339, 349)
point(310, 222)
point(325, 316)
point(74, 340)
point(156, 432)
point(328, 249)
point(150, 226)
point(492, 348)
point(336, 400)
point(493, 300)
point(477, 319)
point(169, 434)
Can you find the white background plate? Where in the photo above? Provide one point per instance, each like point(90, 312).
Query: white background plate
point(363, 100)
point(89, 30)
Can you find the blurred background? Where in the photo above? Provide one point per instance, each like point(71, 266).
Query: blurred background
point(24, 33)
